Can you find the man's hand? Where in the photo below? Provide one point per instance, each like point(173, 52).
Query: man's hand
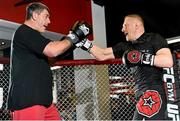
point(78, 32)
point(134, 58)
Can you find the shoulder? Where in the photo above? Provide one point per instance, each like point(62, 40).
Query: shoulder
point(155, 38)
point(28, 31)
point(155, 35)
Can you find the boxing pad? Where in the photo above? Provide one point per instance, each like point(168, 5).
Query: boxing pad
point(134, 58)
point(79, 31)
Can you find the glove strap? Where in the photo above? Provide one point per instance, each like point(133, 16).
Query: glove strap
point(72, 38)
point(148, 59)
point(87, 46)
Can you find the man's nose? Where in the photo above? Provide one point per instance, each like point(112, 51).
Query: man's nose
point(122, 29)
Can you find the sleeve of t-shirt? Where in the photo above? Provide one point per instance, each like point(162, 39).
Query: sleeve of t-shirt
point(119, 49)
point(159, 42)
point(36, 42)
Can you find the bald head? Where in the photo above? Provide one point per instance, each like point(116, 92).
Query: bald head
point(133, 27)
point(135, 17)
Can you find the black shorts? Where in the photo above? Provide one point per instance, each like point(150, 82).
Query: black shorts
point(151, 103)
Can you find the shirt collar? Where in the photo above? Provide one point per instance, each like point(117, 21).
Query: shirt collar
point(140, 39)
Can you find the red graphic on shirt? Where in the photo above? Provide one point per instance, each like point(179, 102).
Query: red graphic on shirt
point(149, 103)
point(134, 56)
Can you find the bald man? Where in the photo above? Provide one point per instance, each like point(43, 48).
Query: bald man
point(146, 54)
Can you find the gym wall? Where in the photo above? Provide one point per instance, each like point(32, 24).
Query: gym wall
point(63, 12)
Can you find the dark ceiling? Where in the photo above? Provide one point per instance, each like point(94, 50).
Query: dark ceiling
point(160, 16)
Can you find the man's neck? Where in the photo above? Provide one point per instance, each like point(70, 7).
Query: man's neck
point(31, 24)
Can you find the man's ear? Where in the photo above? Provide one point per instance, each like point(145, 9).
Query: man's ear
point(34, 16)
point(136, 25)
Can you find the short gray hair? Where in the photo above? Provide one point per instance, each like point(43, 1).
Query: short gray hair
point(35, 7)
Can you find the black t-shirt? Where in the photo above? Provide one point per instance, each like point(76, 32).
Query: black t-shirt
point(144, 75)
point(31, 77)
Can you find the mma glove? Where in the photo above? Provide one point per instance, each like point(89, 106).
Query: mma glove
point(134, 58)
point(85, 44)
point(78, 32)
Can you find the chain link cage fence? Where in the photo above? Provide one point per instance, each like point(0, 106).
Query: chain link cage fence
point(91, 90)
point(85, 90)
point(4, 85)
